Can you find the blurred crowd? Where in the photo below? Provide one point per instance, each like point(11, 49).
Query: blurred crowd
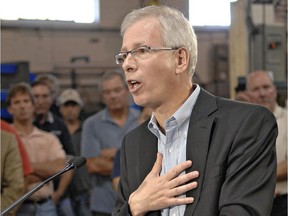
point(47, 129)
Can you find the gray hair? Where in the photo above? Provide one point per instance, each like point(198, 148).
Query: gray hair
point(109, 75)
point(177, 31)
point(52, 81)
point(269, 74)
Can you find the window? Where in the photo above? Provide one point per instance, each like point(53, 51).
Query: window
point(78, 11)
point(209, 12)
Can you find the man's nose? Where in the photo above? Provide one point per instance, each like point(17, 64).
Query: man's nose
point(129, 63)
point(262, 92)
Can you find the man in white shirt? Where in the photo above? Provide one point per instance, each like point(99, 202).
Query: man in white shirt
point(261, 87)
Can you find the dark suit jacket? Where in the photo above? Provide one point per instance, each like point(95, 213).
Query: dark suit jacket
point(231, 144)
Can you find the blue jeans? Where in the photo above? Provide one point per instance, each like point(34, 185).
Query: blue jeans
point(80, 205)
point(64, 207)
point(47, 208)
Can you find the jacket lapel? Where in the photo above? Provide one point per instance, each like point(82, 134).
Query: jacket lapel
point(148, 148)
point(147, 153)
point(198, 140)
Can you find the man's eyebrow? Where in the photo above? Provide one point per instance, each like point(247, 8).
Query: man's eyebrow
point(124, 49)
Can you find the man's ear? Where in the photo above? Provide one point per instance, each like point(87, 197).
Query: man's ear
point(182, 60)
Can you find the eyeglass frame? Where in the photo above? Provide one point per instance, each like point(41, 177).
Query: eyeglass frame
point(148, 48)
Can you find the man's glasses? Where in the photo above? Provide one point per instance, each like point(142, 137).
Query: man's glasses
point(139, 52)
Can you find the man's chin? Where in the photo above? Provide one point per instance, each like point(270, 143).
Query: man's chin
point(40, 115)
point(267, 105)
point(23, 118)
point(71, 118)
point(141, 102)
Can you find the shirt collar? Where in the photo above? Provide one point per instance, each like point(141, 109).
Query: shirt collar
point(278, 111)
point(35, 131)
point(132, 113)
point(183, 113)
point(50, 117)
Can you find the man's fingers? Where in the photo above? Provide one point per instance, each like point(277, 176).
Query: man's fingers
point(181, 201)
point(182, 179)
point(177, 191)
point(173, 173)
point(157, 165)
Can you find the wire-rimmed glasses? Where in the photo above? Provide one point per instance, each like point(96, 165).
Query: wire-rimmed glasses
point(139, 52)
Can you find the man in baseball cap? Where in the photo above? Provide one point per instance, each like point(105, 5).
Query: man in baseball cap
point(70, 108)
point(70, 96)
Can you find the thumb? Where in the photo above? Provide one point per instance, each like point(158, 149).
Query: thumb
point(157, 165)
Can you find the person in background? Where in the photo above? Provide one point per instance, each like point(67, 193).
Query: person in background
point(101, 137)
point(145, 114)
point(12, 178)
point(47, 121)
point(27, 168)
point(79, 188)
point(198, 154)
point(261, 90)
point(44, 151)
point(54, 84)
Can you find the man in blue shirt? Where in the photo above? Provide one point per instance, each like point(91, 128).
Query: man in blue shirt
point(101, 137)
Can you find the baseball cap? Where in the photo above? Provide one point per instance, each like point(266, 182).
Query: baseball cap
point(70, 95)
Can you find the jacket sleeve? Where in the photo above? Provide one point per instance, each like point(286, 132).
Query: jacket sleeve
point(250, 179)
point(12, 178)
